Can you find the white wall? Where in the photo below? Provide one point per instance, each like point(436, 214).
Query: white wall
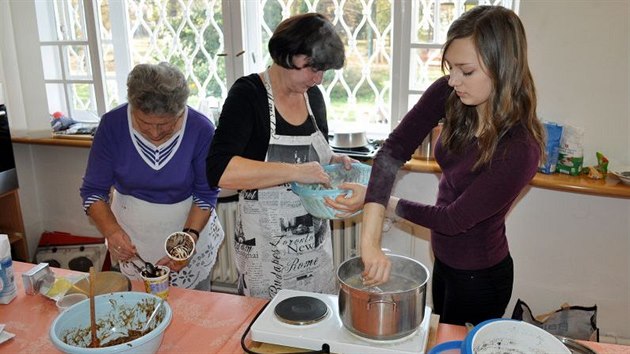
point(579, 58)
point(567, 247)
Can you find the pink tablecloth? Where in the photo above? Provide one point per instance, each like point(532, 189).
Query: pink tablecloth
point(203, 322)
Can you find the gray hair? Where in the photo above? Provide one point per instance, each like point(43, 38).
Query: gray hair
point(158, 89)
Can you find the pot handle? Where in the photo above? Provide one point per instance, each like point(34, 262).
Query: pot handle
point(370, 303)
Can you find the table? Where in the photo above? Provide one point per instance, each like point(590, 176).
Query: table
point(203, 322)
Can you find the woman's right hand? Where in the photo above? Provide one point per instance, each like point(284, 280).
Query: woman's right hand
point(376, 265)
point(120, 245)
point(311, 172)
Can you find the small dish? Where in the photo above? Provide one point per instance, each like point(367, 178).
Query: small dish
point(624, 176)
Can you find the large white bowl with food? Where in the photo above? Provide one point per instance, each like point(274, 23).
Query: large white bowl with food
point(118, 315)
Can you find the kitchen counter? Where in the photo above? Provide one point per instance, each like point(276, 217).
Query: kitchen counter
point(609, 187)
point(206, 322)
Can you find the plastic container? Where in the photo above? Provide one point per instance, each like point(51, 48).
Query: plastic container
point(66, 301)
point(115, 312)
point(312, 195)
point(8, 290)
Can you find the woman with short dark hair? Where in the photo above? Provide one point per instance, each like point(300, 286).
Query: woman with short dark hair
point(272, 131)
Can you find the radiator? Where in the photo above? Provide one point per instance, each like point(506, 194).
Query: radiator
point(345, 242)
point(224, 274)
point(346, 235)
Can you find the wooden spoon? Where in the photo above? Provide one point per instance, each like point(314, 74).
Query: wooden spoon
point(95, 342)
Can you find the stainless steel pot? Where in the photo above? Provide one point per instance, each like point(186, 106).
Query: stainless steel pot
point(349, 140)
point(390, 311)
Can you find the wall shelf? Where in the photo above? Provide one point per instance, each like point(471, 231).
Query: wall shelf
point(609, 187)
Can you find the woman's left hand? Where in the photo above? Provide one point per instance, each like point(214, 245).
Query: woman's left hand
point(348, 203)
point(171, 264)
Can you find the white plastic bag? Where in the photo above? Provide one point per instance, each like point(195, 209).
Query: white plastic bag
point(571, 152)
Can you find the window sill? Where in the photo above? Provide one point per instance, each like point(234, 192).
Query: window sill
point(47, 138)
point(609, 187)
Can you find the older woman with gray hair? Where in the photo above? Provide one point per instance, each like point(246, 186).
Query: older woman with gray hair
point(152, 151)
point(272, 131)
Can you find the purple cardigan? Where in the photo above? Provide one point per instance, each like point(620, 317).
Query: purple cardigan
point(467, 221)
point(114, 161)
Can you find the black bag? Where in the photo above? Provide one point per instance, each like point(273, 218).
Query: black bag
point(576, 322)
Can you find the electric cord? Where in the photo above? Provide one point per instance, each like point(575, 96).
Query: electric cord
point(325, 347)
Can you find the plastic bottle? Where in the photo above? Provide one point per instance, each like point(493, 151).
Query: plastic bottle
point(8, 290)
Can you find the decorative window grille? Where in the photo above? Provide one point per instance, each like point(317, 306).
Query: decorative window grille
point(393, 50)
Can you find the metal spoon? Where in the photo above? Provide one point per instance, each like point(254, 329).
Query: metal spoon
point(148, 267)
point(124, 332)
point(152, 317)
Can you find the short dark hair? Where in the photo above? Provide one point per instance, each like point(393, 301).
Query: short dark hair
point(159, 89)
point(309, 34)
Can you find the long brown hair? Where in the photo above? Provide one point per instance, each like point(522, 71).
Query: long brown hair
point(499, 37)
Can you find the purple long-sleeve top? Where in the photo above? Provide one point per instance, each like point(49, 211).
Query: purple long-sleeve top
point(174, 174)
point(467, 221)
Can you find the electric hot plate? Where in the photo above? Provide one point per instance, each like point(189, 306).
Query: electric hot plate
point(313, 320)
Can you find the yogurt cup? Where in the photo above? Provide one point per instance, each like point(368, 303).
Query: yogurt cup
point(159, 285)
point(179, 247)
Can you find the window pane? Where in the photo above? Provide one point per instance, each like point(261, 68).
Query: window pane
point(82, 98)
point(61, 20)
point(359, 93)
point(105, 24)
point(424, 67)
point(74, 21)
point(186, 34)
point(423, 24)
point(78, 62)
point(52, 62)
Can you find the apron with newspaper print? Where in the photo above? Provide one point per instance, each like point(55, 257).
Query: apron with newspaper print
point(278, 244)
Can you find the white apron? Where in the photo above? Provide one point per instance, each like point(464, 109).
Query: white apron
point(278, 244)
point(149, 224)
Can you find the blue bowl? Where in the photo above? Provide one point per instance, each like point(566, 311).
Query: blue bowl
point(312, 195)
point(511, 336)
point(115, 312)
point(451, 347)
